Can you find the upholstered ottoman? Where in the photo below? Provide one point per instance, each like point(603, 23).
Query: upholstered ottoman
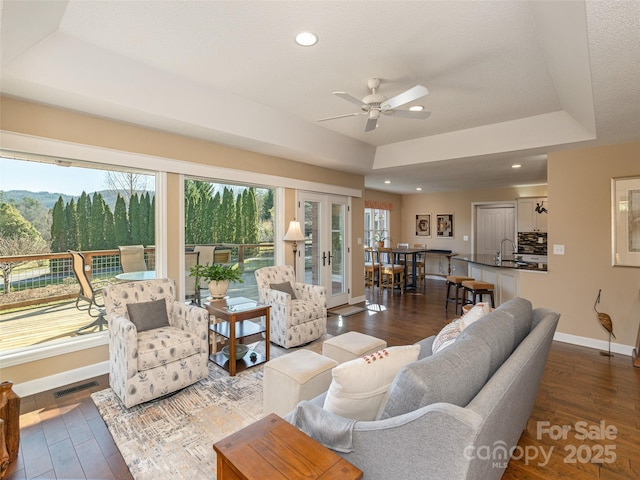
point(296, 376)
point(351, 345)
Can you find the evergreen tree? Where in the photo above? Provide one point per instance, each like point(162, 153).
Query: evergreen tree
point(250, 214)
point(151, 233)
point(134, 220)
point(145, 207)
point(267, 205)
point(109, 229)
point(72, 233)
point(97, 222)
point(83, 209)
point(121, 223)
point(240, 221)
point(227, 216)
point(216, 208)
point(58, 227)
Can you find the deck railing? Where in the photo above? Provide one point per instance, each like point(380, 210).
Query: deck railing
point(47, 278)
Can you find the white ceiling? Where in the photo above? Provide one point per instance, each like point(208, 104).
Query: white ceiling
point(508, 81)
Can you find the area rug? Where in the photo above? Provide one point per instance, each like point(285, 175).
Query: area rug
point(346, 311)
point(172, 438)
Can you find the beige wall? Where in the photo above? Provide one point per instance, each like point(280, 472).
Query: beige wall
point(579, 190)
point(580, 219)
point(47, 122)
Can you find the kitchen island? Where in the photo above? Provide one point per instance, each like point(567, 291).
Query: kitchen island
point(504, 274)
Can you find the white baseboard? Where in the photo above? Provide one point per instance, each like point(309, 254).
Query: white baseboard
point(593, 343)
point(61, 379)
point(360, 299)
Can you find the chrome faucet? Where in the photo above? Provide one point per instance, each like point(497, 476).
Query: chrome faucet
point(515, 250)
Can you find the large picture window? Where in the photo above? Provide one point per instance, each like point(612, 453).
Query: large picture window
point(47, 208)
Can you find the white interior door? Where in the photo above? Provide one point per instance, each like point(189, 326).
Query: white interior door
point(324, 220)
point(493, 224)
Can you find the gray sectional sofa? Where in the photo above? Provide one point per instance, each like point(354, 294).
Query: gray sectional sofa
point(455, 414)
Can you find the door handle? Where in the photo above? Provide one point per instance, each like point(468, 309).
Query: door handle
point(330, 258)
point(324, 259)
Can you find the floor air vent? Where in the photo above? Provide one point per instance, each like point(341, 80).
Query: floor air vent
point(77, 388)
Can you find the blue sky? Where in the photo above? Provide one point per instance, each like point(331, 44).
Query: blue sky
point(43, 177)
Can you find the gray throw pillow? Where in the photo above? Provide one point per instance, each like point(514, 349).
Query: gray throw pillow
point(148, 315)
point(284, 287)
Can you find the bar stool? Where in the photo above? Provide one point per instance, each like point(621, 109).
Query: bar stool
point(477, 290)
point(454, 280)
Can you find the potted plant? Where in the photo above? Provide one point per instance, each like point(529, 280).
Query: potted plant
point(218, 276)
point(380, 237)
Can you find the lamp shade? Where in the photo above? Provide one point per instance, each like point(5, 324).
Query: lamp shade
point(294, 234)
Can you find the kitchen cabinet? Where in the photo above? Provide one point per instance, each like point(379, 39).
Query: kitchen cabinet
point(529, 220)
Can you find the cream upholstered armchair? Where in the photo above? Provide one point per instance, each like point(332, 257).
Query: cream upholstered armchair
point(298, 310)
point(156, 345)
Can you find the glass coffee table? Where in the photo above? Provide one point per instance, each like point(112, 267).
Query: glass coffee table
point(234, 323)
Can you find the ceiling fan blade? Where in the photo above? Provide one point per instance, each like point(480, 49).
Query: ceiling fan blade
point(405, 97)
point(340, 116)
point(350, 98)
point(409, 114)
point(372, 123)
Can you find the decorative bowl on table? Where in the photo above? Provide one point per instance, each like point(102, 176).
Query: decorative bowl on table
point(241, 350)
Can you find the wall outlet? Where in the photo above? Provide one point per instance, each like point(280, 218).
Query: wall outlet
point(465, 238)
point(558, 249)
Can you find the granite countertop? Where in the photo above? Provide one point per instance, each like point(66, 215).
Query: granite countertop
point(507, 262)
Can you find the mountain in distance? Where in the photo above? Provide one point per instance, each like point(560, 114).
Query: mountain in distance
point(49, 199)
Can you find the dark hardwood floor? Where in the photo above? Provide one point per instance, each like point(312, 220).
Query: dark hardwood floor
point(66, 438)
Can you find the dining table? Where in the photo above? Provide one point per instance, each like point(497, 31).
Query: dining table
point(136, 276)
point(400, 255)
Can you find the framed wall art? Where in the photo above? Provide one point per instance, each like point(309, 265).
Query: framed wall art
point(423, 225)
point(625, 221)
point(444, 225)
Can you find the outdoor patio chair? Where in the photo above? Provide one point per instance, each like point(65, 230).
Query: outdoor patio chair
point(132, 258)
point(191, 290)
point(205, 258)
point(87, 293)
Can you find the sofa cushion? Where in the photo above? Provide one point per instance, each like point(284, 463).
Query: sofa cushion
point(454, 375)
point(497, 332)
point(148, 315)
point(522, 312)
point(285, 287)
point(359, 386)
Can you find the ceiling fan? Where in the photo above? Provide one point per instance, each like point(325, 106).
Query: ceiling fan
point(374, 104)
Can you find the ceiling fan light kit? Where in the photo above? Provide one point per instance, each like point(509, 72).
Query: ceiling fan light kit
point(375, 103)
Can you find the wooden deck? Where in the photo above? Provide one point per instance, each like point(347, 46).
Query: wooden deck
point(35, 326)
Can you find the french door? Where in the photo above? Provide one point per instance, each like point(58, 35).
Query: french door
point(324, 219)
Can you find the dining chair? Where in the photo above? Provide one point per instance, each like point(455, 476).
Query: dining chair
point(371, 267)
point(391, 273)
point(421, 271)
point(132, 258)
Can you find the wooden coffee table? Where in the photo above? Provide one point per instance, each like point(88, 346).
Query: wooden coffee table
point(274, 449)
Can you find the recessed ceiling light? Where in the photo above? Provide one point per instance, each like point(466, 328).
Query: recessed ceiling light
point(516, 165)
point(419, 189)
point(387, 181)
point(416, 108)
point(306, 39)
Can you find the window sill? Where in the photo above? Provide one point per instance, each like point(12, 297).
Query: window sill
point(52, 349)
